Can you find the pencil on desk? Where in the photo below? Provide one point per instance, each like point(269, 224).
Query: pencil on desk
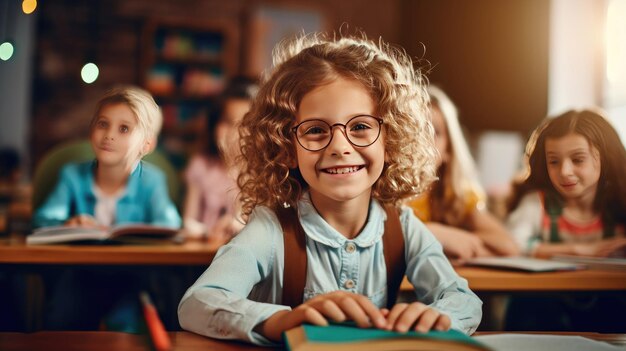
point(158, 335)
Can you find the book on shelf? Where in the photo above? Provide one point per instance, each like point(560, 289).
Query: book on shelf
point(123, 233)
point(527, 264)
point(344, 336)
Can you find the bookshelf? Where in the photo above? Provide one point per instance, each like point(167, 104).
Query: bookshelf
point(185, 65)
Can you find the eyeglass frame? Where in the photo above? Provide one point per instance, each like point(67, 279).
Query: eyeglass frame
point(332, 127)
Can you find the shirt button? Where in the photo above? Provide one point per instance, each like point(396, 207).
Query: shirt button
point(349, 284)
point(350, 247)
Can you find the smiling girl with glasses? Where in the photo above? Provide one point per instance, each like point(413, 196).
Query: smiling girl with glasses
point(335, 140)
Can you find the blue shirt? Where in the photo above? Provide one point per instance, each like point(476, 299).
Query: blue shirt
point(146, 199)
point(243, 285)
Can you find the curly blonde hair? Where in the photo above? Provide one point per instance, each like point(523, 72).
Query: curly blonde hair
point(269, 175)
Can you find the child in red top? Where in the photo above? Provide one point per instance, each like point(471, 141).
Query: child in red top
point(573, 200)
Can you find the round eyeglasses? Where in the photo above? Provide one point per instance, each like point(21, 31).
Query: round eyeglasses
point(316, 134)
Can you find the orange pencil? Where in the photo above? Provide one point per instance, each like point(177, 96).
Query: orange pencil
point(158, 335)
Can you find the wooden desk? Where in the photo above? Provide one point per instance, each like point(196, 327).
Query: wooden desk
point(14, 251)
point(498, 280)
point(181, 341)
point(107, 341)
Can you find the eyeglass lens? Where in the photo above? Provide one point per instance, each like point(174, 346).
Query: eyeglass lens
point(316, 134)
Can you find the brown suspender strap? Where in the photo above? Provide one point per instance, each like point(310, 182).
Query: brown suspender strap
point(393, 249)
point(295, 265)
point(294, 271)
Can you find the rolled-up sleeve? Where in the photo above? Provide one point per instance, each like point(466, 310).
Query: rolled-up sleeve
point(218, 304)
point(435, 281)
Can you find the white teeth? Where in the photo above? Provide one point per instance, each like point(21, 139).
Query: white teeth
point(342, 170)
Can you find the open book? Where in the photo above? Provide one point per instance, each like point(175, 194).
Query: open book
point(527, 264)
point(123, 233)
point(349, 337)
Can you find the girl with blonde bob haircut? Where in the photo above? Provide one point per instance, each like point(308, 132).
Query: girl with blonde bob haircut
point(146, 111)
point(335, 139)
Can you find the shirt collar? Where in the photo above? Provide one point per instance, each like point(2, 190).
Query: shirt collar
point(317, 229)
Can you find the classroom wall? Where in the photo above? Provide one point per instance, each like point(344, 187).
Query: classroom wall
point(575, 46)
point(491, 56)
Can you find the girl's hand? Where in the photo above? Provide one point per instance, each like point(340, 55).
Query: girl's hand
point(416, 316)
point(338, 306)
point(603, 248)
point(194, 229)
point(457, 243)
point(82, 220)
point(225, 228)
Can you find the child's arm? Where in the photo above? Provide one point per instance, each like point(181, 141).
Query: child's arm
point(226, 227)
point(337, 306)
point(242, 286)
point(493, 234)
point(436, 283)
point(602, 248)
point(458, 243)
point(191, 210)
point(55, 210)
point(194, 176)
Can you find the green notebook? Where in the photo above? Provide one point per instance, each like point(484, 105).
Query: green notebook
point(349, 337)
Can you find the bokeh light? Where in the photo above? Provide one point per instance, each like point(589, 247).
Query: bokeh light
point(6, 51)
point(89, 73)
point(29, 6)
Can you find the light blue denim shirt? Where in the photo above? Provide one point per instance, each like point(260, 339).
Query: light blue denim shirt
point(146, 199)
point(243, 285)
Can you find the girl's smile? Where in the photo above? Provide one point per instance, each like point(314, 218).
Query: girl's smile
point(573, 166)
point(343, 169)
point(340, 172)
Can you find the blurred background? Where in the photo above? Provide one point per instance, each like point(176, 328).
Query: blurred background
point(506, 64)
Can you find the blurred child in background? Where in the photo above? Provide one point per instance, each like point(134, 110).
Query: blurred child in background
point(572, 201)
point(210, 203)
point(454, 207)
point(573, 198)
point(115, 188)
